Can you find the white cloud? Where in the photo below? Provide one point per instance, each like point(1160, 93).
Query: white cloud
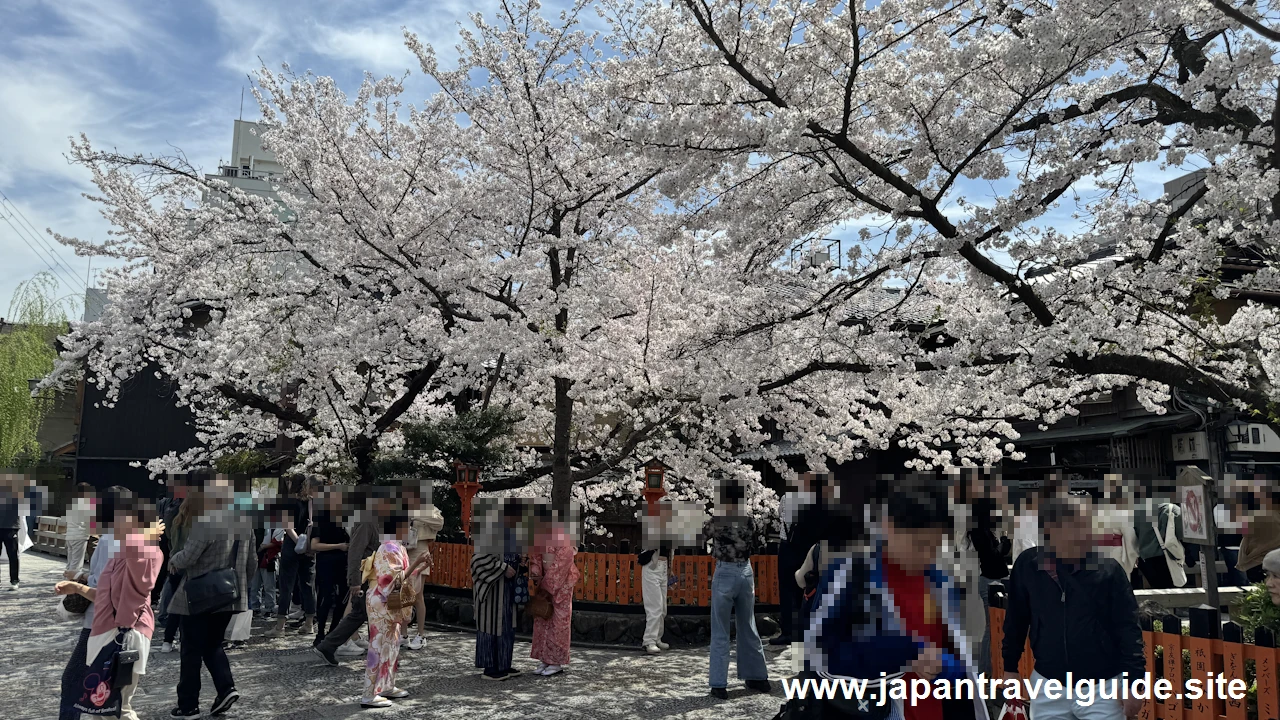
point(376, 50)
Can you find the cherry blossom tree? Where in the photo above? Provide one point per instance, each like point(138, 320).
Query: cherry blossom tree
point(959, 137)
point(591, 231)
point(492, 246)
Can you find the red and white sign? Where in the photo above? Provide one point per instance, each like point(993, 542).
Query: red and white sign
point(1195, 525)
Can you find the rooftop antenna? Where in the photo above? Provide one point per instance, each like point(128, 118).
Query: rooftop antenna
point(242, 102)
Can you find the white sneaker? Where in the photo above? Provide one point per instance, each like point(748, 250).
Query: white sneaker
point(13, 587)
point(166, 648)
point(349, 649)
point(663, 646)
point(359, 642)
point(652, 649)
point(297, 615)
point(416, 642)
point(551, 670)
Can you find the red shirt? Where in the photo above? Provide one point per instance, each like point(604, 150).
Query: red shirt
point(911, 593)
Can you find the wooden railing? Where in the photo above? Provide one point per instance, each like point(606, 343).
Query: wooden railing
point(616, 577)
point(1209, 649)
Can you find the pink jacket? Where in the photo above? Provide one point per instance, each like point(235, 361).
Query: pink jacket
point(123, 599)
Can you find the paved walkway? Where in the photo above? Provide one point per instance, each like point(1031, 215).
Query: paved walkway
point(281, 679)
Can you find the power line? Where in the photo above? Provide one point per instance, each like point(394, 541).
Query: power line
point(36, 234)
point(62, 272)
point(59, 275)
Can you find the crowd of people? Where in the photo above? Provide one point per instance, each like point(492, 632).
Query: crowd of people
point(878, 578)
point(893, 579)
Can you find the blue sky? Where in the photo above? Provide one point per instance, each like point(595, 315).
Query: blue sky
point(147, 77)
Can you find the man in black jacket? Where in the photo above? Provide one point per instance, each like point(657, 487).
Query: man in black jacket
point(365, 539)
point(1081, 613)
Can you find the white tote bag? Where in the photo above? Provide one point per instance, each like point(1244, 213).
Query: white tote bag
point(1174, 554)
point(24, 537)
point(238, 628)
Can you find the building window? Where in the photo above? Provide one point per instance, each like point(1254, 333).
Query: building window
point(1257, 435)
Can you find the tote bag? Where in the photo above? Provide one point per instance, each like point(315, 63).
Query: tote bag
point(100, 681)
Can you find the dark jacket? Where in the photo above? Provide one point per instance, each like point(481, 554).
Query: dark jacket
point(211, 546)
point(993, 554)
point(1085, 622)
point(364, 541)
point(8, 510)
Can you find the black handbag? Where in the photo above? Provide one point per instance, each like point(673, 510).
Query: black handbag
point(216, 589)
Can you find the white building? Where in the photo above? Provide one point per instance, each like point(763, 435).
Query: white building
point(251, 168)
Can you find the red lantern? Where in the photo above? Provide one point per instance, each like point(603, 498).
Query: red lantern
point(467, 484)
point(654, 482)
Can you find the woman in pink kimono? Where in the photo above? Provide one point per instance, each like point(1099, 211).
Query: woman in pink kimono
point(391, 569)
point(551, 563)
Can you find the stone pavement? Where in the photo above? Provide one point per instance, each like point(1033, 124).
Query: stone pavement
point(282, 679)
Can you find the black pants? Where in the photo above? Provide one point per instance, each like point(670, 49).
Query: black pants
point(202, 645)
point(10, 540)
point(295, 568)
point(331, 596)
point(163, 577)
point(171, 621)
point(72, 677)
point(790, 596)
point(347, 627)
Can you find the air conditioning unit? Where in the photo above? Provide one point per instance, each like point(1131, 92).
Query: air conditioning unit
point(1190, 446)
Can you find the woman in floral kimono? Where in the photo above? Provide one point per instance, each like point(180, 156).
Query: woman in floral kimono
point(391, 569)
point(551, 562)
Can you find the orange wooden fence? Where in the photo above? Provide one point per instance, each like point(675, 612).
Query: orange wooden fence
point(616, 577)
point(1207, 655)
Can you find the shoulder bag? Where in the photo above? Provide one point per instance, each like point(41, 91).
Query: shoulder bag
point(216, 589)
point(303, 545)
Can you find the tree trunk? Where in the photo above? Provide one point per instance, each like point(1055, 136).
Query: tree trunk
point(362, 449)
point(561, 470)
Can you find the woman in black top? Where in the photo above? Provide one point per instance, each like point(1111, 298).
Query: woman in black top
point(993, 553)
point(329, 542)
point(295, 567)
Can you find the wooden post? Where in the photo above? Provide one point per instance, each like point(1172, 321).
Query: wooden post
point(1148, 711)
point(1233, 666)
point(1204, 666)
point(1265, 659)
point(1171, 641)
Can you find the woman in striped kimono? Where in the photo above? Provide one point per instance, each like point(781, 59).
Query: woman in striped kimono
point(493, 572)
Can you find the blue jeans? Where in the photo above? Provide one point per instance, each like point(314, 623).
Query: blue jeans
point(733, 589)
point(262, 591)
